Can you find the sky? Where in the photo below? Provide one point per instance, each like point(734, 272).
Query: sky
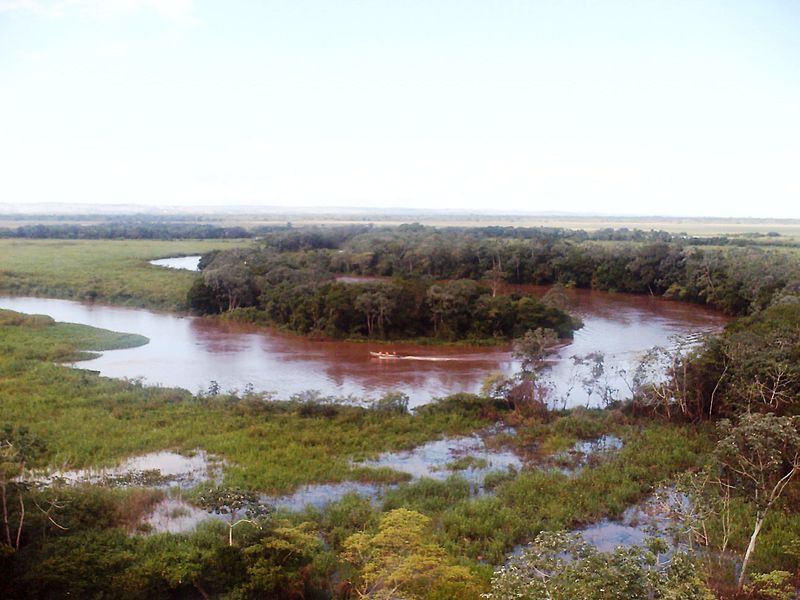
point(629, 107)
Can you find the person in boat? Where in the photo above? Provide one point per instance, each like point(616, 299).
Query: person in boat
point(385, 354)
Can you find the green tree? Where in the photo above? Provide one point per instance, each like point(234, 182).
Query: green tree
point(230, 280)
point(233, 502)
point(531, 348)
point(400, 561)
point(775, 585)
point(561, 566)
point(495, 276)
point(376, 307)
point(278, 564)
point(758, 457)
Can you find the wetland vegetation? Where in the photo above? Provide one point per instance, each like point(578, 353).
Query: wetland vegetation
point(721, 408)
point(113, 271)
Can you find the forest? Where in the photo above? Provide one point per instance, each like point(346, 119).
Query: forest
point(716, 440)
point(454, 284)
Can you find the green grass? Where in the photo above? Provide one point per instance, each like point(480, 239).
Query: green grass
point(486, 528)
point(269, 446)
point(114, 271)
point(64, 341)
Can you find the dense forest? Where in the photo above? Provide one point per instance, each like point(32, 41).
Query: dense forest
point(458, 284)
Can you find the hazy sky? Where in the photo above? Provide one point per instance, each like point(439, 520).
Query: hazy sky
point(676, 107)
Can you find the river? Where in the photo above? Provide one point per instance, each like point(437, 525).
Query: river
point(191, 352)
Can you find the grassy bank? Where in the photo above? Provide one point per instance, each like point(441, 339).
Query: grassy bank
point(87, 420)
point(113, 271)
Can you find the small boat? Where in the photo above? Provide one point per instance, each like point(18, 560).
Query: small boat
point(396, 356)
point(385, 355)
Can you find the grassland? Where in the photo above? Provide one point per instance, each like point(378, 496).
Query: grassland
point(109, 270)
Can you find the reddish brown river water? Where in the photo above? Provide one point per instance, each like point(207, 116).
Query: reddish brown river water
point(191, 352)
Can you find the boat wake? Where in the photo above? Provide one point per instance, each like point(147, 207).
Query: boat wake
point(392, 356)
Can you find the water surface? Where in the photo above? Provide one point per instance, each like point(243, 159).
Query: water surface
point(190, 352)
point(184, 263)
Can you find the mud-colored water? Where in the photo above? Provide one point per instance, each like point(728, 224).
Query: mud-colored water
point(191, 352)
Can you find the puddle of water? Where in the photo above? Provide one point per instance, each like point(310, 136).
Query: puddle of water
point(438, 460)
point(319, 494)
point(184, 263)
point(356, 279)
point(468, 456)
point(650, 518)
point(156, 469)
point(607, 535)
point(174, 515)
point(605, 443)
point(572, 461)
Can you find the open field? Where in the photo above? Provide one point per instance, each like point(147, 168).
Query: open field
point(104, 270)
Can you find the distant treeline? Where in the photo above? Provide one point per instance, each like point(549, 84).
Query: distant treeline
point(289, 237)
point(289, 279)
point(126, 230)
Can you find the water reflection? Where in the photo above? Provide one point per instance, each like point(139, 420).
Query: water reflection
point(184, 263)
point(190, 352)
point(468, 456)
point(157, 469)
